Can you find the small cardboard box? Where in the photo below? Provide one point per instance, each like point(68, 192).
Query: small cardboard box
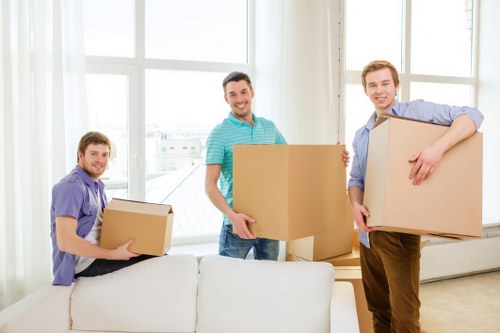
point(149, 224)
point(351, 258)
point(447, 204)
point(335, 241)
point(292, 191)
point(353, 275)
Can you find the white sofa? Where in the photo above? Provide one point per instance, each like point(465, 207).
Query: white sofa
point(176, 294)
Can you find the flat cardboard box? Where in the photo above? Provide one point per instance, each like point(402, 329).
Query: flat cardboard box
point(292, 191)
point(352, 258)
point(447, 204)
point(334, 242)
point(353, 275)
point(149, 224)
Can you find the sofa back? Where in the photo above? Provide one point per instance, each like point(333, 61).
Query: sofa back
point(155, 295)
point(248, 296)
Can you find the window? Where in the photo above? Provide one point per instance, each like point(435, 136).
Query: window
point(154, 86)
point(435, 59)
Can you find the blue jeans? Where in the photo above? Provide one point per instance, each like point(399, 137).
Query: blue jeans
point(104, 266)
point(231, 245)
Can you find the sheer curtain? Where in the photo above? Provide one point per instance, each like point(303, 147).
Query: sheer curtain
point(297, 68)
point(41, 102)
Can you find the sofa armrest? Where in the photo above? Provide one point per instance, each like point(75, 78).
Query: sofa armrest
point(343, 314)
point(47, 310)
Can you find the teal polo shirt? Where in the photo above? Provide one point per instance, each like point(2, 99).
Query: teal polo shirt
point(230, 132)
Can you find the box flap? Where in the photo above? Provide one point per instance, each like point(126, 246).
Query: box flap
point(139, 207)
point(383, 117)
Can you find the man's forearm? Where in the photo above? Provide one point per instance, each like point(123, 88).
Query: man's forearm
point(218, 200)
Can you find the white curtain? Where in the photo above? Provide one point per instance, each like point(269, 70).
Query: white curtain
point(297, 66)
point(41, 94)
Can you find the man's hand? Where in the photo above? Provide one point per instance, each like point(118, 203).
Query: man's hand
point(345, 156)
point(240, 227)
point(122, 252)
point(360, 213)
point(425, 161)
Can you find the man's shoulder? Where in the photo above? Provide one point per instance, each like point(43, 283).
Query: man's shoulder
point(71, 182)
point(264, 121)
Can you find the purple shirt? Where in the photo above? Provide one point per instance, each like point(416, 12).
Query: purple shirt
point(77, 195)
point(439, 114)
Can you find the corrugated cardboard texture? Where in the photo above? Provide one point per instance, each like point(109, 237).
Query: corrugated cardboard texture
point(447, 204)
point(149, 224)
point(335, 241)
point(291, 190)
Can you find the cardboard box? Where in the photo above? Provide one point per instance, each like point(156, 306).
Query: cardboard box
point(447, 204)
point(353, 275)
point(149, 224)
point(292, 191)
point(335, 241)
point(352, 258)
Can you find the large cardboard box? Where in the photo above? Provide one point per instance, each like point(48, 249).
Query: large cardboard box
point(335, 241)
point(149, 224)
point(447, 204)
point(353, 275)
point(292, 191)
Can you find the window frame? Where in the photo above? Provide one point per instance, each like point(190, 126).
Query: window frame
point(134, 68)
point(406, 77)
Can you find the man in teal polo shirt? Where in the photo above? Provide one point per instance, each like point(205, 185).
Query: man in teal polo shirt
point(240, 127)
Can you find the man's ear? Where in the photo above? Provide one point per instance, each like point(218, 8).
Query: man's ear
point(226, 99)
point(80, 156)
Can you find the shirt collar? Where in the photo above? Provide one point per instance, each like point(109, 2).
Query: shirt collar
point(240, 123)
point(373, 118)
point(87, 179)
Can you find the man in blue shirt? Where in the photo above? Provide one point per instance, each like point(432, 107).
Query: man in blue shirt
point(78, 202)
point(240, 127)
point(390, 261)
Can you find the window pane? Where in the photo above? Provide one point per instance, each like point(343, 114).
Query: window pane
point(109, 27)
point(182, 107)
point(197, 30)
point(441, 37)
point(107, 97)
point(451, 94)
point(373, 32)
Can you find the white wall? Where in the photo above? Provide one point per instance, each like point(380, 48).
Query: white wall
point(489, 104)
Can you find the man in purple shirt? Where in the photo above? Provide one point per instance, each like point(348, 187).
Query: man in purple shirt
point(78, 202)
point(390, 261)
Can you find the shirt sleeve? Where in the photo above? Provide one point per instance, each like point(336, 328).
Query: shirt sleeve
point(357, 178)
point(441, 114)
point(280, 139)
point(215, 149)
point(68, 199)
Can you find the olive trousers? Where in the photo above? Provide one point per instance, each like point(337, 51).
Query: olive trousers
point(391, 280)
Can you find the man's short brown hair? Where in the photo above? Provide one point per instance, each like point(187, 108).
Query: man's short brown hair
point(92, 138)
point(378, 65)
point(236, 77)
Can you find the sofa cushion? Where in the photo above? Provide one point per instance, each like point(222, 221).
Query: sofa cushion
point(155, 295)
point(249, 296)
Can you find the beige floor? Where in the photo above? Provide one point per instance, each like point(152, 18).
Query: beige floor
point(461, 305)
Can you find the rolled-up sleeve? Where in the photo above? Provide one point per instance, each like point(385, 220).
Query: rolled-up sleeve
point(440, 114)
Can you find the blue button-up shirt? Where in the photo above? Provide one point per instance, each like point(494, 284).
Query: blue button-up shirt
point(438, 114)
point(77, 195)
